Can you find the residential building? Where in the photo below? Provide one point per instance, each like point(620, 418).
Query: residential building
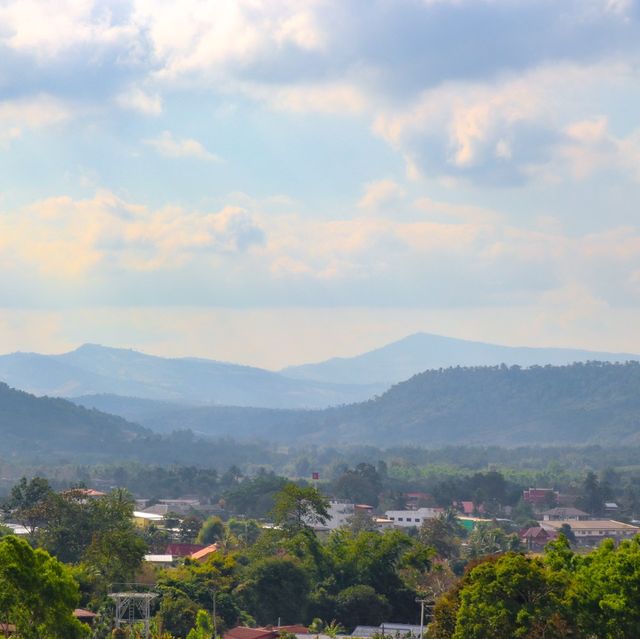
point(387, 629)
point(410, 518)
point(143, 519)
point(203, 554)
point(566, 514)
point(593, 531)
point(536, 538)
point(340, 512)
point(540, 496)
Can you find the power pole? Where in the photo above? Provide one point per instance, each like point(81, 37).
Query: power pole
point(427, 601)
point(215, 623)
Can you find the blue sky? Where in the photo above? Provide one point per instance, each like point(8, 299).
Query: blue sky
point(285, 181)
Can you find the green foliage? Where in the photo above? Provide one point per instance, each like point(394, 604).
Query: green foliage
point(190, 529)
point(178, 614)
point(489, 539)
point(297, 508)
point(361, 605)
point(246, 531)
point(605, 591)
point(37, 593)
point(203, 628)
point(362, 485)
point(511, 597)
point(276, 588)
point(212, 530)
point(443, 534)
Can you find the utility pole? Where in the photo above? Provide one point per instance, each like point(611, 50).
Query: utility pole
point(215, 623)
point(422, 601)
point(427, 601)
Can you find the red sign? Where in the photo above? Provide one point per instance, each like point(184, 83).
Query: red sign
point(315, 476)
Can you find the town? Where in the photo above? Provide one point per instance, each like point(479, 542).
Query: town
point(270, 557)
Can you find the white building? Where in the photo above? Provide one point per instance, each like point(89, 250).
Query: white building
point(340, 512)
point(409, 518)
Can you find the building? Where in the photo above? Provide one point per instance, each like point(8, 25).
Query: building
point(160, 560)
point(593, 531)
point(204, 553)
point(469, 508)
point(565, 514)
point(242, 632)
point(385, 629)
point(536, 538)
point(540, 496)
point(410, 518)
point(340, 512)
point(144, 520)
point(183, 550)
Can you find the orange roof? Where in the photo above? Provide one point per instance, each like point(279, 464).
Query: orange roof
point(296, 629)
point(242, 632)
point(201, 555)
point(80, 613)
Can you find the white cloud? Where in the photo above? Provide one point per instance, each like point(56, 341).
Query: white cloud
point(380, 194)
point(35, 112)
point(136, 99)
point(168, 145)
point(506, 131)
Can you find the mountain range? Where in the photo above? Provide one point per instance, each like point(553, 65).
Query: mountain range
point(118, 378)
point(419, 352)
point(93, 369)
point(592, 403)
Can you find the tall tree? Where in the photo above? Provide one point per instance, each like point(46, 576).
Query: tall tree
point(298, 508)
point(37, 593)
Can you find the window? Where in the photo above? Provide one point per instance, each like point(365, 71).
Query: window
point(400, 519)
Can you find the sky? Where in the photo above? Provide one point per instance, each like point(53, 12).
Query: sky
point(282, 181)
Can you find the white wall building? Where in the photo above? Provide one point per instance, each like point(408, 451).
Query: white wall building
point(409, 518)
point(340, 511)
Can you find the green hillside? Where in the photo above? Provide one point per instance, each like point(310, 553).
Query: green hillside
point(50, 430)
point(581, 403)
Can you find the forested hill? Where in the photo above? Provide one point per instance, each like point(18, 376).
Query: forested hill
point(581, 403)
point(49, 430)
point(49, 425)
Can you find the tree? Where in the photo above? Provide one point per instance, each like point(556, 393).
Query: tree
point(212, 530)
point(361, 605)
point(178, 614)
point(203, 628)
point(298, 508)
point(488, 539)
point(276, 588)
point(593, 500)
point(361, 485)
point(443, 534)
point(512, 596)
point(246, 531)
point(27, 503)
point(190, 528)
point(37, 593)
point(605, 592)
point(568, 533)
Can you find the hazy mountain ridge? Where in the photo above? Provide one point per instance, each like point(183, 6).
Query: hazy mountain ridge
point(47, 430)
point(419, 352)
point(97, 370)
point(579, 403)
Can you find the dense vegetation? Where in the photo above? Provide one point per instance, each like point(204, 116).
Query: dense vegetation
point(52, 430)
point(596, 403)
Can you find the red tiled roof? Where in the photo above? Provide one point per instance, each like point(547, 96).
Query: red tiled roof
point(242, 632)
point(80, 613)
point(182, 550)
point(295, 629)
point(204, 552)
